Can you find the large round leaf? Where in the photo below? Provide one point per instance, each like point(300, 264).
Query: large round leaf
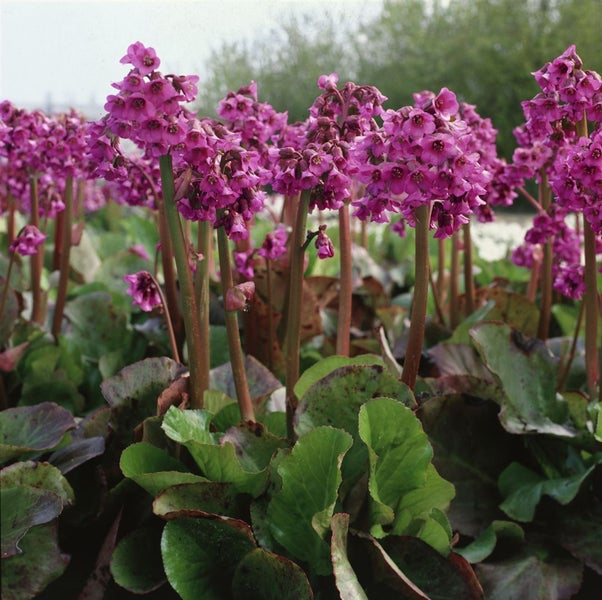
point(201, 555)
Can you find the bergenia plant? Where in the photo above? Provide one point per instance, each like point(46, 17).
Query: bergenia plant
point(420, 165)
point(555, 147)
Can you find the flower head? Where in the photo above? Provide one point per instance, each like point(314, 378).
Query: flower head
point(28, 240)
point(144, 289)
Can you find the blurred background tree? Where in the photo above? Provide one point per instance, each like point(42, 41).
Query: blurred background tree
point(483, 50)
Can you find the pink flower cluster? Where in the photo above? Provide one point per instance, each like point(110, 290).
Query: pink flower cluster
point(422, 155)
point(144, 291)
point(50, 148)
point(550, 143)
point(320, 159)
point(27, 241)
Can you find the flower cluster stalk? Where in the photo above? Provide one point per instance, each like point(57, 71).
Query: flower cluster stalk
point(201, 285)
point(292, 334)
point(343, 344)
point(36, 260)
point(234, 345)
point(64, 259)
point(469, 287)
point(199, 383)
point(546, 279)
point(411, 361)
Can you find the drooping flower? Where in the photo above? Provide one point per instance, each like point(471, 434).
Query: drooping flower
point(324, 244)
point(27, 241)
point(144, 290)
point(239, 296)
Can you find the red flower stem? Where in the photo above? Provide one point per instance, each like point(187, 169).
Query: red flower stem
point(64, 260)
point(292, 334)
point(454, 273)
point(169, 274)
point(202, 291)
point(469, 287)
point(343, 344)
point(168, 322)
point(270, 309)
point(530, 198)
point(36, 260)
point(438, 309)
point(234, 345)
point(11, 226)
point(59, 237)
point(571, 354)
point(411, 362)
point(592, 300)
point(545, 307)
point(439, 286)
point(198, 384)
point(11, 260)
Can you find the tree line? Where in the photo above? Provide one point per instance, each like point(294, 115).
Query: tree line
point(483, 50)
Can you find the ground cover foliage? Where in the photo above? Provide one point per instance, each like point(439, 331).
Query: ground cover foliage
point(262, 359)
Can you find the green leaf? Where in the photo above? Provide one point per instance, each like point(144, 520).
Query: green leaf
point(263, 575)
point(98, 327)
point(200, 556)
point(136, 563)
point(25, 575)
point(528, 376)
point(23, 507)
point(346, 580)
point(523, 489)
point(76, 453)
point(335, 400)
point(38, 475)
point(154, 469)
point(241, 457)
point(471, 449)
point(299, 513)
point(405, 489)
point(485, 544)
point(440, 578)
point(132, 394)
point(25, 430)
point(207, 497)
point(184, 426)
point(329, 364)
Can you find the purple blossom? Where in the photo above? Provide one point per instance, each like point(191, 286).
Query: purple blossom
point(27, 241)
point(143, 288)
point(274, 244)
point(324, 244)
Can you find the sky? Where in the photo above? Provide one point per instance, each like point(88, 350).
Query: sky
point(66, 53)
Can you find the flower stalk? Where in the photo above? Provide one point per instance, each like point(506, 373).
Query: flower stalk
point(234, 344)
point(411, 363)
point(292, 334)
point(64, 259)
point(343, 345)
point(198, 383)
point(37, 260)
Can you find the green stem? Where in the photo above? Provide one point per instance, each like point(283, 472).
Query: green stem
point(36, 260)
point(198, 384)
point(292, 334)
point(202, 290)
point(168, 322)
point(64, 260)
point(234, 345)
point(469, 287)
point(270, 309)
point(411, 362)
point(343, 345)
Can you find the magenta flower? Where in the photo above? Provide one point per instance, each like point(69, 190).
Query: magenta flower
point(274, 245)
point(324, 244)
point(143, 288)
point(144, 59)
point(240, 296)
point(28, 240)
